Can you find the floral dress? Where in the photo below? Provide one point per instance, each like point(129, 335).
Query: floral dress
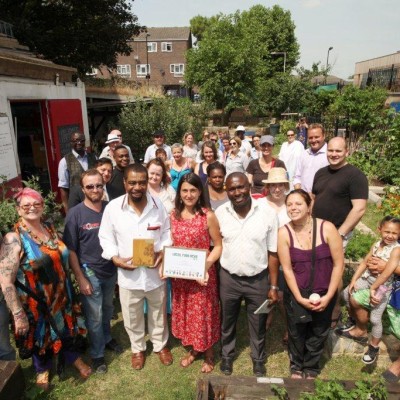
point(42, 269)
point(195, 308)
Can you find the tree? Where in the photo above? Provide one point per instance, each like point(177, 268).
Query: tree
point(76, 33)
point(233, 58)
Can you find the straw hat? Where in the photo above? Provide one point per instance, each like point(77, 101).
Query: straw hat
point(276, 175)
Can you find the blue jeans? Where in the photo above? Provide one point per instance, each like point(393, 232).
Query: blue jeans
point(7, 352)
point(98, 309)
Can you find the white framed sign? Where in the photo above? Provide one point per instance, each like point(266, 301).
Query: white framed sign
point(183, 263)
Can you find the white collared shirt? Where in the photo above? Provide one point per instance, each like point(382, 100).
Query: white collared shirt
point(151, 152)
point(246, 241)
point(120, 225)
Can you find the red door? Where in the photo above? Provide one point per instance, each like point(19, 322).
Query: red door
point(62, 119)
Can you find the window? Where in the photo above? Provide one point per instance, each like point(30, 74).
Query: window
point(142, 71)
point(124, 70)
point(152, 47)
point(177, 69)
point(166, 46)
point(92, 72)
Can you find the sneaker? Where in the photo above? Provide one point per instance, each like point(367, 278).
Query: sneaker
point(99, 365)
point(371, 355)
point(348, 326)
point(114, 346)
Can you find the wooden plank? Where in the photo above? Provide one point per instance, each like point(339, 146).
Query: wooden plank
point(12, 384)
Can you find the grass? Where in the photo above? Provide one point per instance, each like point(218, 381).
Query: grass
point(156, 382)
point(372, 217)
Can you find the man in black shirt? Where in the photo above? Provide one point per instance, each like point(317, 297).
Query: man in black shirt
point(116, 186)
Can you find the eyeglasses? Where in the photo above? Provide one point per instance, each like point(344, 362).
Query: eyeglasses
point(27, 207)
point(91, 187)
point(290, 135)
point(233, 144)
point(78, 141)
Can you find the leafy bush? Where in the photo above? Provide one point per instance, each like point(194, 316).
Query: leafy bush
point(359, 245)
point(391, 201)
point(8, 212)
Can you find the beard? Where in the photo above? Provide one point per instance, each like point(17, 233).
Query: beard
point(137, 199)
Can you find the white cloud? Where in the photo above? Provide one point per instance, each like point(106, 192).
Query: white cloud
point(311, 3)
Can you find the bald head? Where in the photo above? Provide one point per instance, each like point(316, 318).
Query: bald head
point(337, 153)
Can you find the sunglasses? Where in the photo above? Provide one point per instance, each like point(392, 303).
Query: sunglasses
point(233, 144)
point(91, 187)
point(27, 207)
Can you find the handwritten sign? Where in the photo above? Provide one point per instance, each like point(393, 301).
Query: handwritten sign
point(183, 263)
point(7, 155)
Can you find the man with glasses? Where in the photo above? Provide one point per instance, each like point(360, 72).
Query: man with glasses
point(290, 154)
point(96, 276)
point(138, 215)
point(158, 138)
point(114, 138)
point(72, 165)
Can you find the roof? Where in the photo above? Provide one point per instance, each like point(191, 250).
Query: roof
point(170, 33)
point(327, 80)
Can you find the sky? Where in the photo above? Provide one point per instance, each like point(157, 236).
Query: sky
point(357, 30)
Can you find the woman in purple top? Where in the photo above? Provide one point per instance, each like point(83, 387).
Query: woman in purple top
point(307, 339)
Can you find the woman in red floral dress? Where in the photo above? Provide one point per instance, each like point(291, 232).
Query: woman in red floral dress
point(195, 304)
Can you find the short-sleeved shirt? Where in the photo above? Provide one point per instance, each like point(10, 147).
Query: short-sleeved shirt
point(116, 187)
point(81, 234)
point(247, 241)
point(334, 189)
point(259, 175)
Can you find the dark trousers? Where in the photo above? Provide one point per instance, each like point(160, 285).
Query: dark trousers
point(253, 290)
point(306, 341)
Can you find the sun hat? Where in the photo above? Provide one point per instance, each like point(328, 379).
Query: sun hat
point(276, 175)
point(241, 128)
point(267, 139)
point(112, 138)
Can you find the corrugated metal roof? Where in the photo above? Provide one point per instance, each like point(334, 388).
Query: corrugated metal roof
point(170, 33)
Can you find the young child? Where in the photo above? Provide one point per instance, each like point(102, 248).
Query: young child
point(361, 295)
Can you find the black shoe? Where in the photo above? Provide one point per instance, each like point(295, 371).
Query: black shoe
point(226, 366)
point(259, 368)
point(114, 346)
point(99, 365)
point(371, 355)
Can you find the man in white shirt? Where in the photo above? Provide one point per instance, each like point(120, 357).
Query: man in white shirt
point(137, 215)
point(246, 145)
point(290, 154)
point(113, 139)
point(159, 138)
point(312, 159)
point(249, 264)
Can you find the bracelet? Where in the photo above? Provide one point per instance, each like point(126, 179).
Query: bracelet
point(17, 312)
point(274, 287)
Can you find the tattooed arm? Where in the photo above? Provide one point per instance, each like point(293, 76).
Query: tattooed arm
point(9, 263)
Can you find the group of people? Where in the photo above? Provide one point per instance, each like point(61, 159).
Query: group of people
point(263, 242)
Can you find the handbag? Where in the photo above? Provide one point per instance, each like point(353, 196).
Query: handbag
point(395, 296)
point(303, 315)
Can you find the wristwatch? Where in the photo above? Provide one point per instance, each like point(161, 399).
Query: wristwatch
point(274, 287)
point(344, 237)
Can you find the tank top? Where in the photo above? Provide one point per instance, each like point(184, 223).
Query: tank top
point(301, 264)
point(202, 175)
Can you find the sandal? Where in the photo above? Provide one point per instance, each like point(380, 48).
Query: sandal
point(208, 364)
point(296, 375)
point(42, 380)
point(346, 334)
point(84, 370)
point(189, 358)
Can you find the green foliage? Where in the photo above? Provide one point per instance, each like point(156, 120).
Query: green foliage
point(280, 392)
point(334, 390)
point(8, 212)
point(359, 245)
point(391, 201)
point(233, 57)
point(175, 116)
point(378, 153)
point(73, 33)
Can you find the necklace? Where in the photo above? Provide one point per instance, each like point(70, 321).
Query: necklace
point(307, 232)
point(51, 243)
